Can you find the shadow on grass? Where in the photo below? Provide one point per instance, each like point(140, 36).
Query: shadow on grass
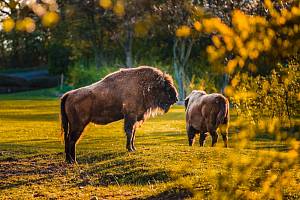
point(121, 171)
point(30, 117)
point(89, 159)
point(134, 177)
point(171, 194)
point(103, 169)
point(267, 146)
point(18, 183)
point(36, 169)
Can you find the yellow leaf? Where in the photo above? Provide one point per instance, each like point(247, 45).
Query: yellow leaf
point(8, 24)
point(140, 29)
point(231, 66)
point(183, 31)
point(20, 26)
point(50, 19)
point(119, 8)
point(228, 91)
point(29, 24)
point(295, 11)
point(197, 25)
point(106, 4)
point(216, 41)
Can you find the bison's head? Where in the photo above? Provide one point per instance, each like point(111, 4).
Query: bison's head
point(168, 94)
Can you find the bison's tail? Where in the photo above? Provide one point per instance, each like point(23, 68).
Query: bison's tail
point(223, 115)
point(64, 118)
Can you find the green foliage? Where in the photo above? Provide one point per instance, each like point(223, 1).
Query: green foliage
point(275, 95)
point(58, 59)
point(203, 77)
point(205, 83)
point(81, 76)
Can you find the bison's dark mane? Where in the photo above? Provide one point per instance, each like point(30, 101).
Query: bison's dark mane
point(153, 82)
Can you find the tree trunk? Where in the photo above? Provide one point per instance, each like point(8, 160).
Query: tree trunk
point(128, 47)
point(96, 39)
point(225, 82)
point(97, 57)
point(181, 53)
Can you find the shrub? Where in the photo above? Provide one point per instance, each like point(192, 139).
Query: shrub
point(79, 76)
point(272, 96)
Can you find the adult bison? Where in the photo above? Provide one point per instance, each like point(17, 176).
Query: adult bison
point(205, 113)
point(129, 94)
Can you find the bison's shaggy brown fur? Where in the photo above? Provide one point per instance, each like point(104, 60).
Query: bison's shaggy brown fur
point(129, 94)
point(206, 113)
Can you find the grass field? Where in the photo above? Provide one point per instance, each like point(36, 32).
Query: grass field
point(163, 167)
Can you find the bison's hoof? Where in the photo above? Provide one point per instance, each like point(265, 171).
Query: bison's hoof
point(130, 150)
point(71, 162)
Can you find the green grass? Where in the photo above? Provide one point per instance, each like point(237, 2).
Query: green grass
point(163, 167)
point(42, 94)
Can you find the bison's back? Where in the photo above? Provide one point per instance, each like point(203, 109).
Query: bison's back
point(121, 92)
point(126, 83)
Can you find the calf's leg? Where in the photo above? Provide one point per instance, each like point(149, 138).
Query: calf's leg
point(191, 132)
point(224, 133)
point(214, 137)
point(202, 139)
point(129, 121)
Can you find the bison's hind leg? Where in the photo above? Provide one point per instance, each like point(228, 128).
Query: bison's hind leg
point(202, 139)
point(71, 146)
point(76, 128)
point(191, 132)
point(214, 137)
point(224, 133)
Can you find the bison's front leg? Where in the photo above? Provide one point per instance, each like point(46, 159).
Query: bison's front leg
point(129, 121)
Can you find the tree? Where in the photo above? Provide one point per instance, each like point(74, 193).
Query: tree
point(25, 27)
point(134, 22)
point(173, 15)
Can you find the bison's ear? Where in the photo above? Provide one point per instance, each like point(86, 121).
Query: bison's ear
point(187, 99)
point(186, 102)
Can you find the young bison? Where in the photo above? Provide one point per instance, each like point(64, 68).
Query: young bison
point(205, 113)
point(129, 94)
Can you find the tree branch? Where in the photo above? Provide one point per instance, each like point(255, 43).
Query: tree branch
point(188, 52)
point(5, 12)
point(6, 3)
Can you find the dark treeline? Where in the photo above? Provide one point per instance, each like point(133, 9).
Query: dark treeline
point(88, 35)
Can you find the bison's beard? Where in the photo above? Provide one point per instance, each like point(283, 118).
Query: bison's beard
point(152, 112)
